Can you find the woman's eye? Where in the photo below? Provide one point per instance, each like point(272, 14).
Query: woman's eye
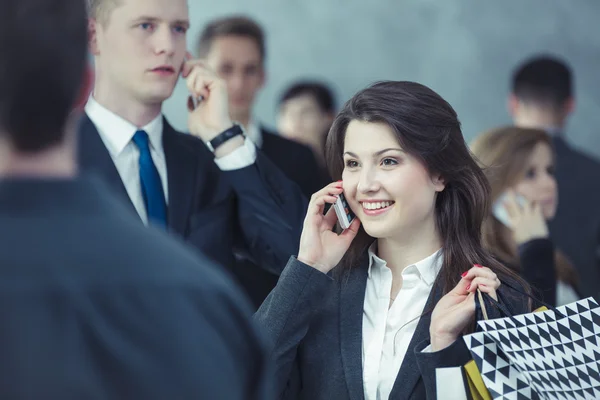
point(530, 173)
point(351, 164)
point(389, 162)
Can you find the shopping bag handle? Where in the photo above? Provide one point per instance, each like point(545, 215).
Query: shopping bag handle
point(484, 301)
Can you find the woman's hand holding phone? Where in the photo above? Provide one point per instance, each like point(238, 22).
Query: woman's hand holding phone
point(526, 220)
point(320, 246)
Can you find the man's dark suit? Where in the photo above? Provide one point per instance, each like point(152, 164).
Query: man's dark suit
point(93, 305)
point(255, 210)
point(296, 160)
point(298, 163)
point(576, 226)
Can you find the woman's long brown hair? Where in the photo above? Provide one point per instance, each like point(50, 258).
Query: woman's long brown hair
point(503, 154)
point(426, 127)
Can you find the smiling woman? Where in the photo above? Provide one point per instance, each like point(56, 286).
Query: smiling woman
point(401, 142)
point(375, 310)
point(390, 190)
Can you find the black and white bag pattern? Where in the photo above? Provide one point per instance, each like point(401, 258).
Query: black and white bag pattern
point(542, 355)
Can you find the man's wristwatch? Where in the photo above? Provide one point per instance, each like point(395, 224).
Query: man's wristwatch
point(224, 136)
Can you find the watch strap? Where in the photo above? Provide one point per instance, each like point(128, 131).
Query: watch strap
point(224, 136)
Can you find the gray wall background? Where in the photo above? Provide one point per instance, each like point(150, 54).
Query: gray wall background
point(463, 49)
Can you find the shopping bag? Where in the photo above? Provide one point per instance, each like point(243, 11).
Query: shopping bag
point(475, 383)
point(450, 384)
point(552, 354)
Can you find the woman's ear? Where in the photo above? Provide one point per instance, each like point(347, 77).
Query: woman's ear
point(439, 183)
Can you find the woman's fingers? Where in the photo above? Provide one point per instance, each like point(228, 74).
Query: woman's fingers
point(489, 290)
point(319, 204)
point(481, 278)
point(536, 209)
point(489, 283)
point(326, 195)
point(334, 188)
point(350, 233)
point(461, 288)
point(479, 271)
point(512, 208)
point(330, 217)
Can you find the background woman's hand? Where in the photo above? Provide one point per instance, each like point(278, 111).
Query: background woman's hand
point(320, 247)
point(527, 221)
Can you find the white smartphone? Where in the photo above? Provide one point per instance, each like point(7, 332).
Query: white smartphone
point(499, 210)
point(343, 211)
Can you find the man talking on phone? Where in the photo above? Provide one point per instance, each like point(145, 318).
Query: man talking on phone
point(213, 187)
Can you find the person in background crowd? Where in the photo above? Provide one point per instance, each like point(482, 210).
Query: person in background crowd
point(234, 47)
point(519, 163)
point(305, 114)
point(375, 310)
point(542, 97)
point(93, 305)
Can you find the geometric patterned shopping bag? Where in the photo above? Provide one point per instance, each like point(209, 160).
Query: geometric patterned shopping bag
point(553, 354)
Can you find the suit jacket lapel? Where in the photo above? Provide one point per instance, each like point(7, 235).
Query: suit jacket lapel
point(182, 175)
point(352, 296)
point(409, 373)
point(94, 158)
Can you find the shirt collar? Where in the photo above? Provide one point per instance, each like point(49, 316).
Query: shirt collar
point(253, 132)
point(428, 268)
point(118, 132)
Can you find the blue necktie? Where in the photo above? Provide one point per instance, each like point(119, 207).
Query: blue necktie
point(152, 189)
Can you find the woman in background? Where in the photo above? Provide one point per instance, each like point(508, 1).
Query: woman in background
point(519, 164)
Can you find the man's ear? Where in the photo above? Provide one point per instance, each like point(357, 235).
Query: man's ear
point(330, 117)
point(512, 104)
point(92, 36)
point(569, 106)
